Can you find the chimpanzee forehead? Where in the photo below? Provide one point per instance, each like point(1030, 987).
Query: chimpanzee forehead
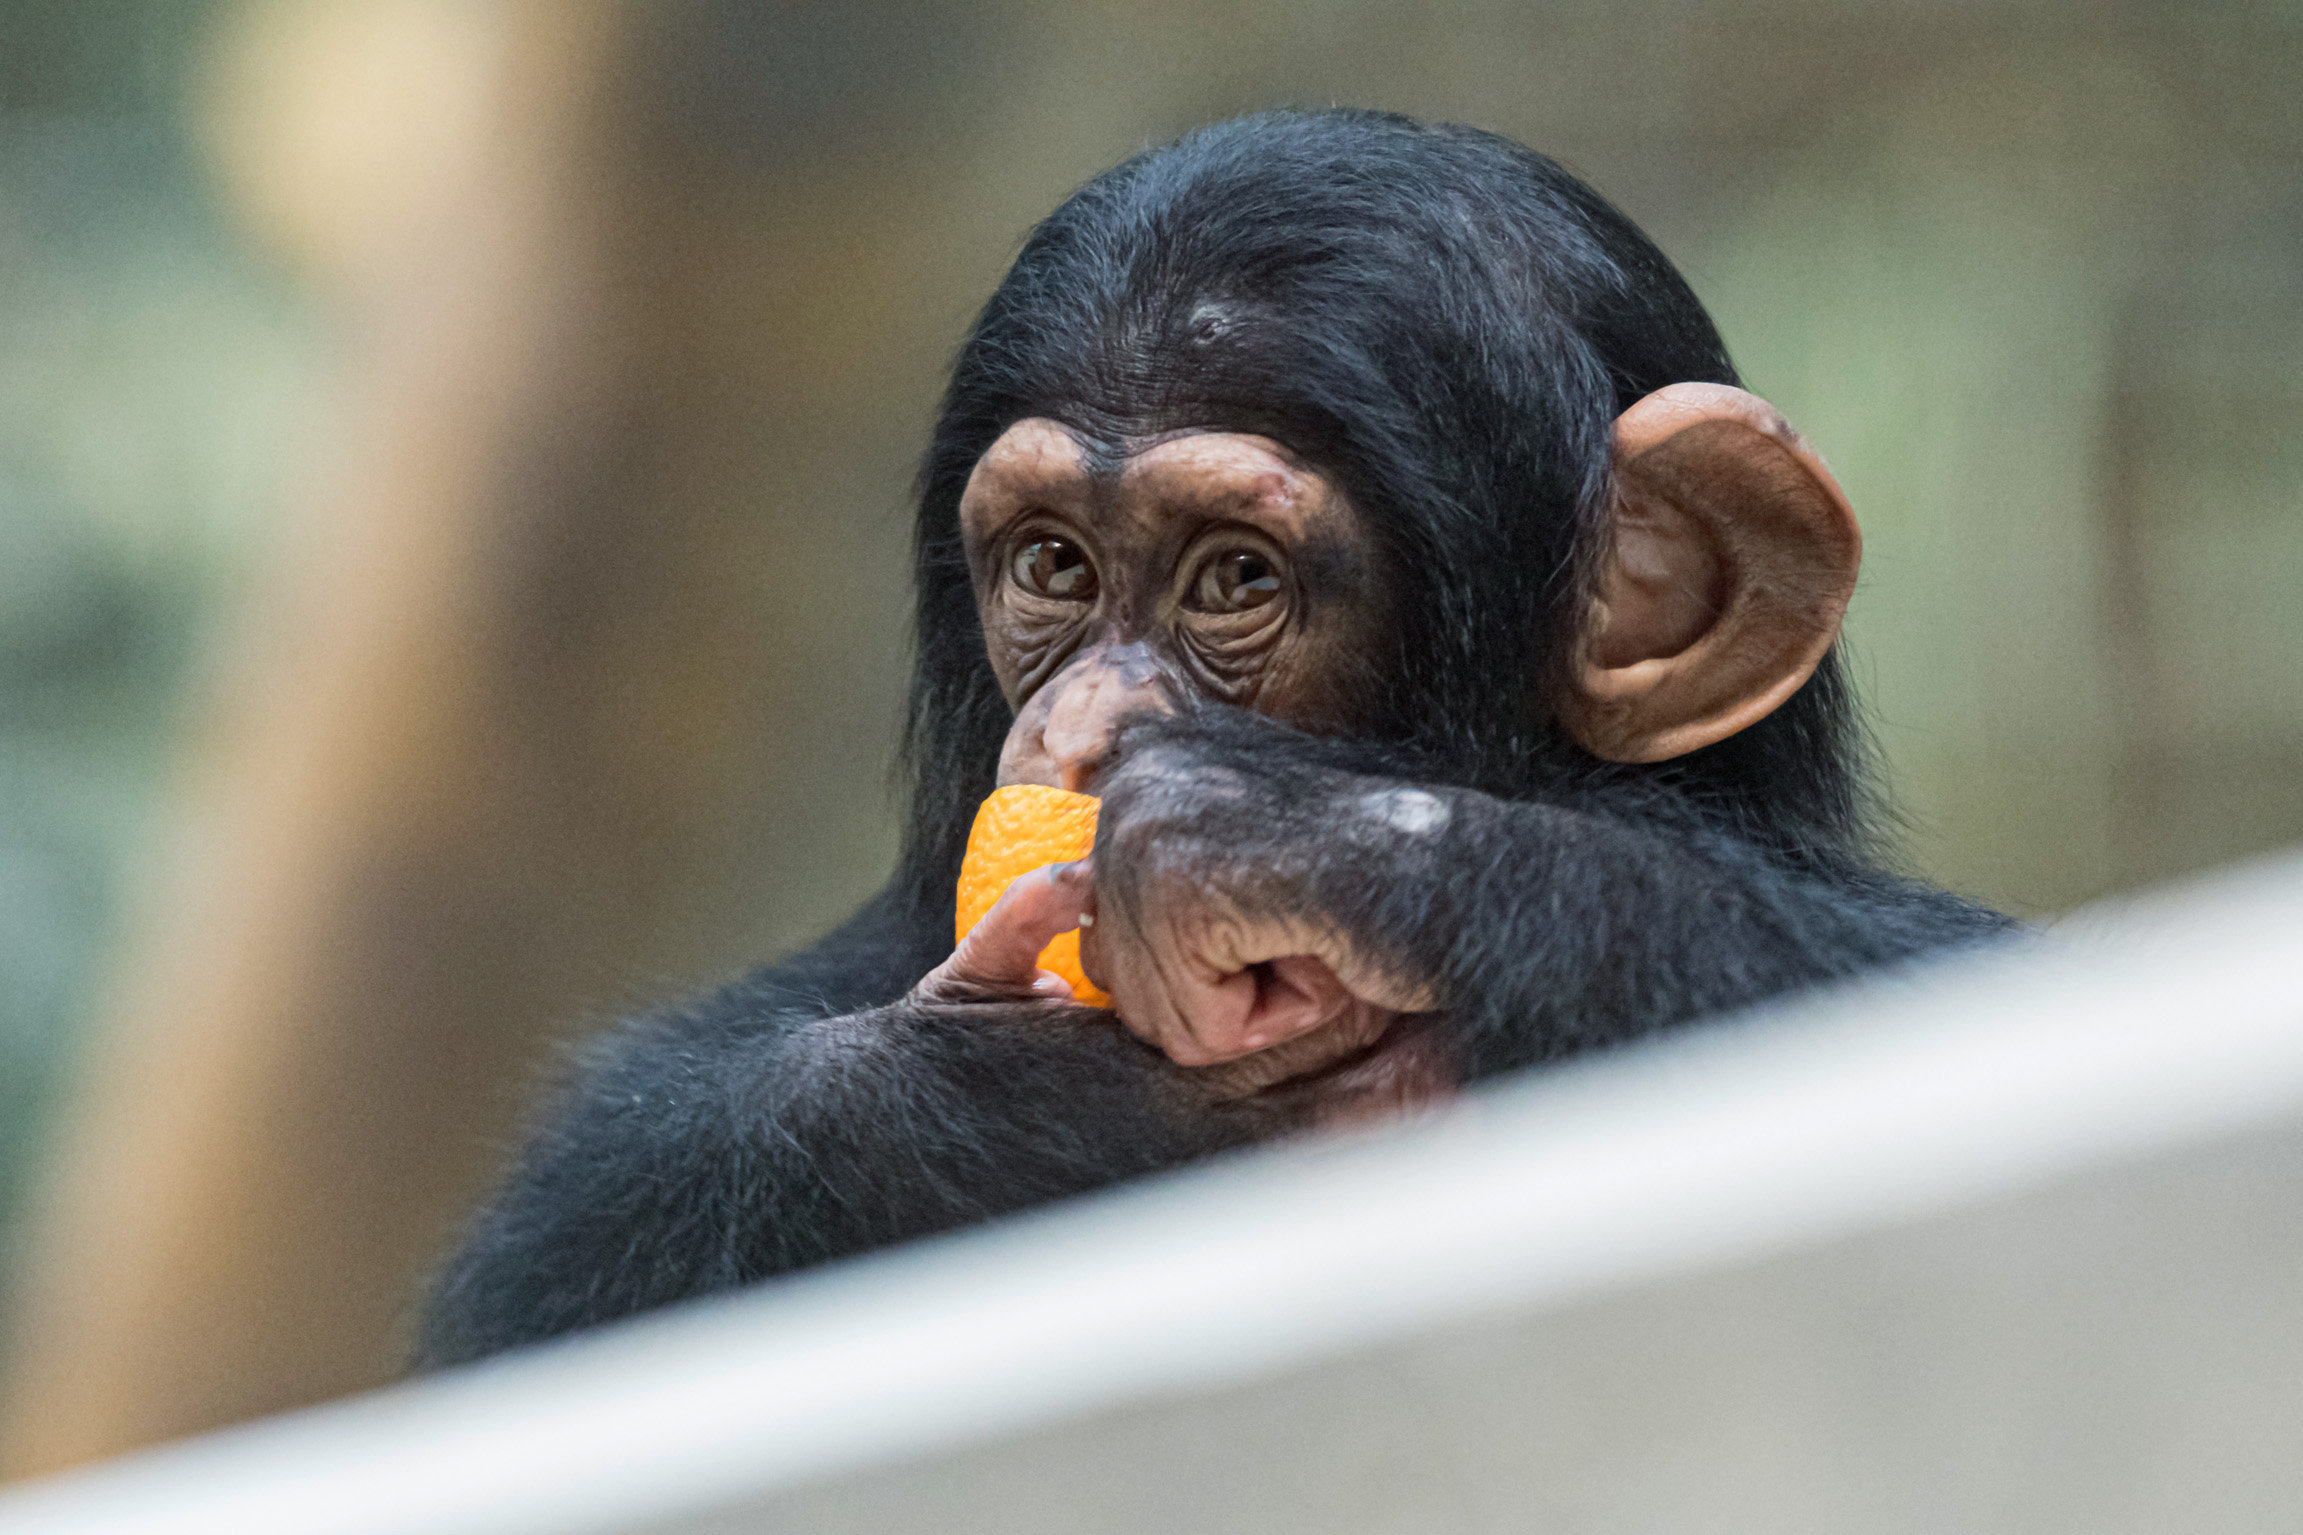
point(1108, 453)
point(1040, 463)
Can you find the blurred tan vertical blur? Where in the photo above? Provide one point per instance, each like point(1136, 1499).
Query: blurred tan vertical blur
point(575, 657)
point(494, 735)
point(271, 1129)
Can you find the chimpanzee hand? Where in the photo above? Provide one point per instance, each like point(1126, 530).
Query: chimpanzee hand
point(1225, 925)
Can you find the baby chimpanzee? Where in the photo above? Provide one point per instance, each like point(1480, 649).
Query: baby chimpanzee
point(1367, 512)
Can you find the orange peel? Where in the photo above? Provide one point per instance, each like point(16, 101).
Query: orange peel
point(1020, 828)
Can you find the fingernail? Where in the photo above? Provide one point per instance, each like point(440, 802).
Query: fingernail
point(1087, 919)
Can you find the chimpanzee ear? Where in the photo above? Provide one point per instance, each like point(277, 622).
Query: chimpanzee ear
point(1732, 557)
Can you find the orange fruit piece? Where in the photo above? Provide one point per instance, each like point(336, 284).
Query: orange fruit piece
point(1018, 829)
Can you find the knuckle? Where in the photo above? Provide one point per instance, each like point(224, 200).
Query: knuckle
point(1128, 856)
point(1150, 772)
point(1133, 841)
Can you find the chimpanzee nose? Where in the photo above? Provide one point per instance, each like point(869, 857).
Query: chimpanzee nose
point(1099, 692)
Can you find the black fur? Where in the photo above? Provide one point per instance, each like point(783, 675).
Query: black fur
point(1448, 324)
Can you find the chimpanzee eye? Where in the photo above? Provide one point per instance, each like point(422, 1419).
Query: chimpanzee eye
point(1055, 567)
point(1233, 583)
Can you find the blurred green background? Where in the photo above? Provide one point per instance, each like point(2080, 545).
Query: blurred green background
point(157, 383)
point(2030, 276)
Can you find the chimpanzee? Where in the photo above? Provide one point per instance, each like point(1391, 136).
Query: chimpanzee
point(1367, 512)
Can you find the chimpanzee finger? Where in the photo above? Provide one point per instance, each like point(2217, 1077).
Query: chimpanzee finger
point(1238, 1004)
point(1355, 1027)
point(1132, 960)
point(1205, 991)
point(998, 961)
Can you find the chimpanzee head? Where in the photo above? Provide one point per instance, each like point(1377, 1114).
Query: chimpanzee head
point(1355, 421)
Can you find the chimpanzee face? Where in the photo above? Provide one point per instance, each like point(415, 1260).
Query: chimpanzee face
point(1202, 565)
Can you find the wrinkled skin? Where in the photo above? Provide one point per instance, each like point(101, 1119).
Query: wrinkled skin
point(1201, 569)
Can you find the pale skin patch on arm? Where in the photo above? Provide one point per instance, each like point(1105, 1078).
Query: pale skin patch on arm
point(1412, 811)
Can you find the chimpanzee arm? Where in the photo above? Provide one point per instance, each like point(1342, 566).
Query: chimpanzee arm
point(709, 1149)
point(1530, 929)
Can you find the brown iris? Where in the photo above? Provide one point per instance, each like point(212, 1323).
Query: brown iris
point(1233, 583)
point(1055, 567)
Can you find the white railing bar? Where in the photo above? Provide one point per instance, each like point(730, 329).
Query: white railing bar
point(2130, 1031)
